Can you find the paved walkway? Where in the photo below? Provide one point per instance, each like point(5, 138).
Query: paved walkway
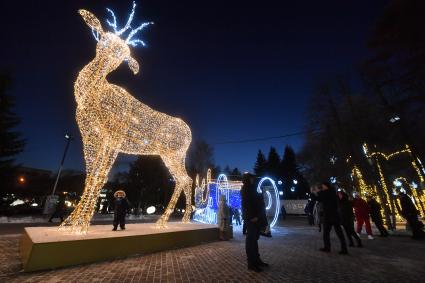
point(292, 252)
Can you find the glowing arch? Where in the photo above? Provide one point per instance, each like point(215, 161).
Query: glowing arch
point(269, 198)
point(222, 187)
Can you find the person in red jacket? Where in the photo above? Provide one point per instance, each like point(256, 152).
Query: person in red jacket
point(361, 210)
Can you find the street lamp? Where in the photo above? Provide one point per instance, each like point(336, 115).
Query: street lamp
point(21, 180)
point(68, 140)
point(394, 119)
point(51, 199)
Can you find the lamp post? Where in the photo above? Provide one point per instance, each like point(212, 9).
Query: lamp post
point(68, 140)
point(51, 199)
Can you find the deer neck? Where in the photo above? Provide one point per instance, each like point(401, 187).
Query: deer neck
point(92, 78)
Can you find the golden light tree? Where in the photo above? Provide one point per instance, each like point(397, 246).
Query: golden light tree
point(112, 121)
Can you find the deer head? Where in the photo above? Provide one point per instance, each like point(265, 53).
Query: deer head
point(110, 45)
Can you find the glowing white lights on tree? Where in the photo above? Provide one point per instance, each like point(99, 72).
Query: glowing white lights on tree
point(112, 121)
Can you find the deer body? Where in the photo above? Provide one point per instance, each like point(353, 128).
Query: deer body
point(112, 121)
point(137, 137)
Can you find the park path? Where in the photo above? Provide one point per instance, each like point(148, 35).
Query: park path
point(292, 252)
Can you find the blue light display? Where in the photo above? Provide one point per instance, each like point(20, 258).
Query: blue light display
point(208, 194)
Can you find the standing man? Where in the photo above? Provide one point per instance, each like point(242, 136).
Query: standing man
point(327, 197)
point(251, 213)
point(361, 210)
point(410, 213)
point(347, 218)
point(375, 214)
point(237, 216)
point(59, 210)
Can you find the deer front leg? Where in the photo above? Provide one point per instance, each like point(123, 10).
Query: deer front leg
point(97, 175)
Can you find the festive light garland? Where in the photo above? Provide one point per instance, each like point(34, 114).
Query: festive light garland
point(364, 188)
point(407, 150)
point(418, 197)
point(112, 121)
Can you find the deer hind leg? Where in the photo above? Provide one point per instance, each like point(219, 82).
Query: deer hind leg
point(98, 167)
point(188, 194)
point(183, 183)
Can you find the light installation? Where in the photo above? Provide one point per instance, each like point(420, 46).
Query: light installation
point(261, 189)
point(418, 199)
point(112, 121)
point(208, 192)
point(386, 198)
point(207, 196)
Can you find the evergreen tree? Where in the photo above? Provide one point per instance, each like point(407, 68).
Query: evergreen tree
point(11, 143)
point(200, 158)
point(260, 166)
point(295, 186)
point(149, 182)
point(288, 165)
point(273, 163)
point(236, 175)
point(227, 171)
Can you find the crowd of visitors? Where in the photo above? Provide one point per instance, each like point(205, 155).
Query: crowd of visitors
point(330, 208)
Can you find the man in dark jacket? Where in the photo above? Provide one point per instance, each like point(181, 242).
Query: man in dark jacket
point(375, 214)
point(309, 208)
point(327, 196)
point(410, 213)
point(347, 218)
point(59, 210)
point(251, 213)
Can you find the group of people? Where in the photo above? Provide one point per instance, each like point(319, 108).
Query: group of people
point(329, 208)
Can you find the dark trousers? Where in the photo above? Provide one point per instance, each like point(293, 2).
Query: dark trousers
point(251, 243)
point(119, 219)
point(349, 231)
point(416, 227)
point(380, 225)
point(310, 218)
point(244, 227)
point(327, 227)
point(238, 220)
point(56, 214)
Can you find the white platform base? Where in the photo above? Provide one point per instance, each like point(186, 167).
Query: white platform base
point(47, 247)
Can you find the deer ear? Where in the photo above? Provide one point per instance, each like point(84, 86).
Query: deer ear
point(91, 21)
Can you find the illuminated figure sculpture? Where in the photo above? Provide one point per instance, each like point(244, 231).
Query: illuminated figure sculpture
point(112, 121)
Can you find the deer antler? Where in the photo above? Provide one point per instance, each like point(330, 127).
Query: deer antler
point(133, 32)
point(114, 24)
point(130, 19)
point(127, 26)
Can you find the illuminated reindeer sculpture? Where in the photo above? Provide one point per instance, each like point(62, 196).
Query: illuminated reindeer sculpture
point(112, 121)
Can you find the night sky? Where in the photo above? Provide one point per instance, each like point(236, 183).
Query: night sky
point(233, 70)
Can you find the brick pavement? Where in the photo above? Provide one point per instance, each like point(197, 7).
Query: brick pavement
point(292, 252)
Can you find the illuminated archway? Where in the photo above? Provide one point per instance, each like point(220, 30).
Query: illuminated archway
point(222, 188)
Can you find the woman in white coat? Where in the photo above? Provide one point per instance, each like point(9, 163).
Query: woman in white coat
point(223, 217)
